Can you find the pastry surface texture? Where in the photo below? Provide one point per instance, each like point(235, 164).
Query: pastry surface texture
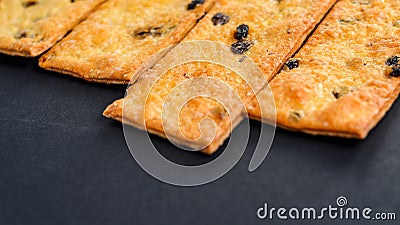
point(114, 41)
point(30, 27)
point(348, 72)
point(275, 30)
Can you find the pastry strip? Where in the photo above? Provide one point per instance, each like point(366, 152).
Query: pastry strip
point(122, 34)
point(30, 27)
point(346, 80)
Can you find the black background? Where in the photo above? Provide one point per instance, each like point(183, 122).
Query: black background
point(61, 162)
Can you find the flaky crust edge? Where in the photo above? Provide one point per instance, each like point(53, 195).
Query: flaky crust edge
point(358, 130)
point(115, 111)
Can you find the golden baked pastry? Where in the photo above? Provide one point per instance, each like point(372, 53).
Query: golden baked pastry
point(30, 27)
point(348, 72)
point(268, 32)
point(115, 40)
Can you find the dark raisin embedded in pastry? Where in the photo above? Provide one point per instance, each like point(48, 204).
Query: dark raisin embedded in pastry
point(348, 21)
point(392, 61)
point(241, 47)
point(241, 32)
point(220, 19)
point(295, 116)
point(336, 94)
point(20, 35)
point(194, 4)
point(292, 63)
point(29, 3)
point(395, 72)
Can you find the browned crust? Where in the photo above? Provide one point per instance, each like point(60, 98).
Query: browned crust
point(361, 130)
point(50, 30)
point(341, 57)
point(115, 111)
point(77, 75)
point(117, 68)
point(106, 72)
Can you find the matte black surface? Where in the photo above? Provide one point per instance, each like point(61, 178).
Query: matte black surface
point(61, 162)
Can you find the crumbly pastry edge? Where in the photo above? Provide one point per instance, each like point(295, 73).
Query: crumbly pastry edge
point(115, 111)
point(361, 132)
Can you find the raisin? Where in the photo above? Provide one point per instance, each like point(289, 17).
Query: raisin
point(361, 2)
point(194, 4)
point(241, 32)
point(30, 3)
point(392, 61)
point(292, 63)
point(348, 21)
point(241, 47)
point(20, 35)
point(220, 19)
point(395, 71)
point(336, 94)
point(72, 1)
point(295, 116)
point(152, 31)
point(342, 91)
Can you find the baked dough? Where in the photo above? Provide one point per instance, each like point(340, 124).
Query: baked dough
point(114, 41)
point(30, 27)
point(276, 30)
point(342, 86)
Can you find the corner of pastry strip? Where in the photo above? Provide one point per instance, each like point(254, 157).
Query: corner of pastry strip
point(120, 36)
point(114, 110)
point(29, 28)
point(345, 78)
